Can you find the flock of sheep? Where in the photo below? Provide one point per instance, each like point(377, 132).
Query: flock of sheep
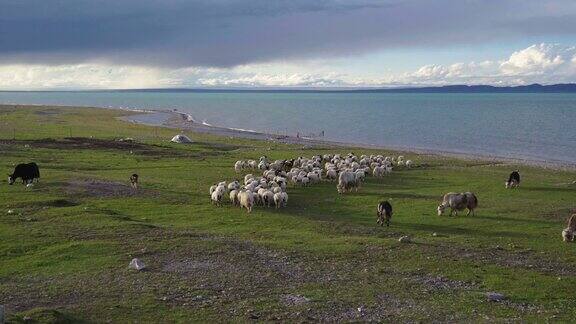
point(269, 189)
point(349, 171)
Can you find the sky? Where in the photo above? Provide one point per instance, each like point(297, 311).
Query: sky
point(111, 44)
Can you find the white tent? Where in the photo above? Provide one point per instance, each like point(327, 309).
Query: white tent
point(181, 139)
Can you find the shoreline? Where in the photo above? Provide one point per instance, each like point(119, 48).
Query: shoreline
point(185, 122)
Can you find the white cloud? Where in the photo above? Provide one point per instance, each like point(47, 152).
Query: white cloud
point(542, 63)
point(82, 76)
point(540, 59)
point(275, 80)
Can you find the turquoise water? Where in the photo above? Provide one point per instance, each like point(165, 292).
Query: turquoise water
point(527, 126)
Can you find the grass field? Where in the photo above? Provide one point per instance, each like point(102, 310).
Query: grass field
point(66, 244)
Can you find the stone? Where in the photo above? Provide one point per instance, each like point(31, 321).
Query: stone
point(404, 239)
point(137, 264)
point(294, 299)
point(495, 297)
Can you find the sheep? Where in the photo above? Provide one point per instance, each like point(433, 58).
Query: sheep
point(257, 199)
point(314, 177)
point(234, 185)
point(238, 166)
point(409, 163)
point(384, 213)
point(457, 202)
point(263, 165)
point(267, 198)
point(251, 186)
point(331, 174)
point(360, 176)
point(234, 197)
point(471, 203)
point(346, 181)
point(280, 199)
point(569, 233)
point(246, 199)
point(270, 186)
point(217, 195)
point(276, 165)
point(378, 171)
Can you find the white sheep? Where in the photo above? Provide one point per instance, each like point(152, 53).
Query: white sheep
point(280, 199)
point(246, 199)
point(217, 195)
point(378, 171)
point(313, 177)
point(347, 181)
point(234, 197)
point(234, 185)
point(238, 166)
point(360, 175)
point(267, 198)
point(332, 174)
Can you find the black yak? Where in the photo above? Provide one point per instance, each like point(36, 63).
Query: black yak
point(25, 171)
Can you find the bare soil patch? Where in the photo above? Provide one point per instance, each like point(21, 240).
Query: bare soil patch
point(511, 259)
point(101, 189)
point(132, 146)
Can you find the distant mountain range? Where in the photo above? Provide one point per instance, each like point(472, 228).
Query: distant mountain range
point(533, 88)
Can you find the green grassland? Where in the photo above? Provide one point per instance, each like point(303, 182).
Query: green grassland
point(66, 245)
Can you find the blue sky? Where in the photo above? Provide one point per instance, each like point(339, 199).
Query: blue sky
point(79, 44)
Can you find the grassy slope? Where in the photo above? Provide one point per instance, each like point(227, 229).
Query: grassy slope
point(68, 251)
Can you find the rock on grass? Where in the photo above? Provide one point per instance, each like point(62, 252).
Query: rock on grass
point(137, 264)
point(405, 239)
point(495, 297)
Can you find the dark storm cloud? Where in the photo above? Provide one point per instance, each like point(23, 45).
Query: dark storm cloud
point(231, 32)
